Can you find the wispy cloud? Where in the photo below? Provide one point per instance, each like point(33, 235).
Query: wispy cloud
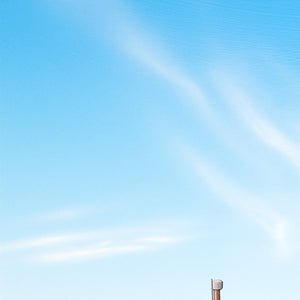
point(66, 214)
point(96, 252)
point(144, 51)
point(259, 125)
point(91, 244)
point(113, 20)
point(109, 249)
point(277, 227)
point(41, 242)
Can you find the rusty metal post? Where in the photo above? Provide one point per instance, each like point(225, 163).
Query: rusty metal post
point(216, 286)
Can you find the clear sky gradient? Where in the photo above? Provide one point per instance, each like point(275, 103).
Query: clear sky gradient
point(147, 146)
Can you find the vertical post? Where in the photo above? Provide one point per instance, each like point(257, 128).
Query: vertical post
point(216, 286)
point(217, 295)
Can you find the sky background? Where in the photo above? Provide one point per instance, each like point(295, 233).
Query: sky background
point(148, 146)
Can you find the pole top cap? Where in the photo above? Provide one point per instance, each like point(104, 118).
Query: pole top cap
point(217, 284)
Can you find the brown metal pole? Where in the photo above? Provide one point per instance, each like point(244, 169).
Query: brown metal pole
point(217, 295)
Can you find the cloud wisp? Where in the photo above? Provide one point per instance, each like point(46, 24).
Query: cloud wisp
point(137, 45)
point(275, 225)
point(67, 214)
point(109, 248)
point(90, 245)
point(114, 21)
point(260, 126)
point(41, 242)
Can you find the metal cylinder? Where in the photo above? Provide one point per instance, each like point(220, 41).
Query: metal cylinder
point(217, 295)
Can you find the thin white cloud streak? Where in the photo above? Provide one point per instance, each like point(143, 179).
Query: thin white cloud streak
point(157, 239)
point(144, 51)
point(55, 240)
point(90, 253)
point(105, 250)
point(95, 244)
point(42, 242)
point(113, 20)
point(63, 215)
point(260, 126)
point(275, 225)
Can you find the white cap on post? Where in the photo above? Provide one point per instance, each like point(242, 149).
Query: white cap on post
point(217, 284)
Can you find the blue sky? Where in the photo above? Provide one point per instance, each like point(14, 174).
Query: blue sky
point(147, 146)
